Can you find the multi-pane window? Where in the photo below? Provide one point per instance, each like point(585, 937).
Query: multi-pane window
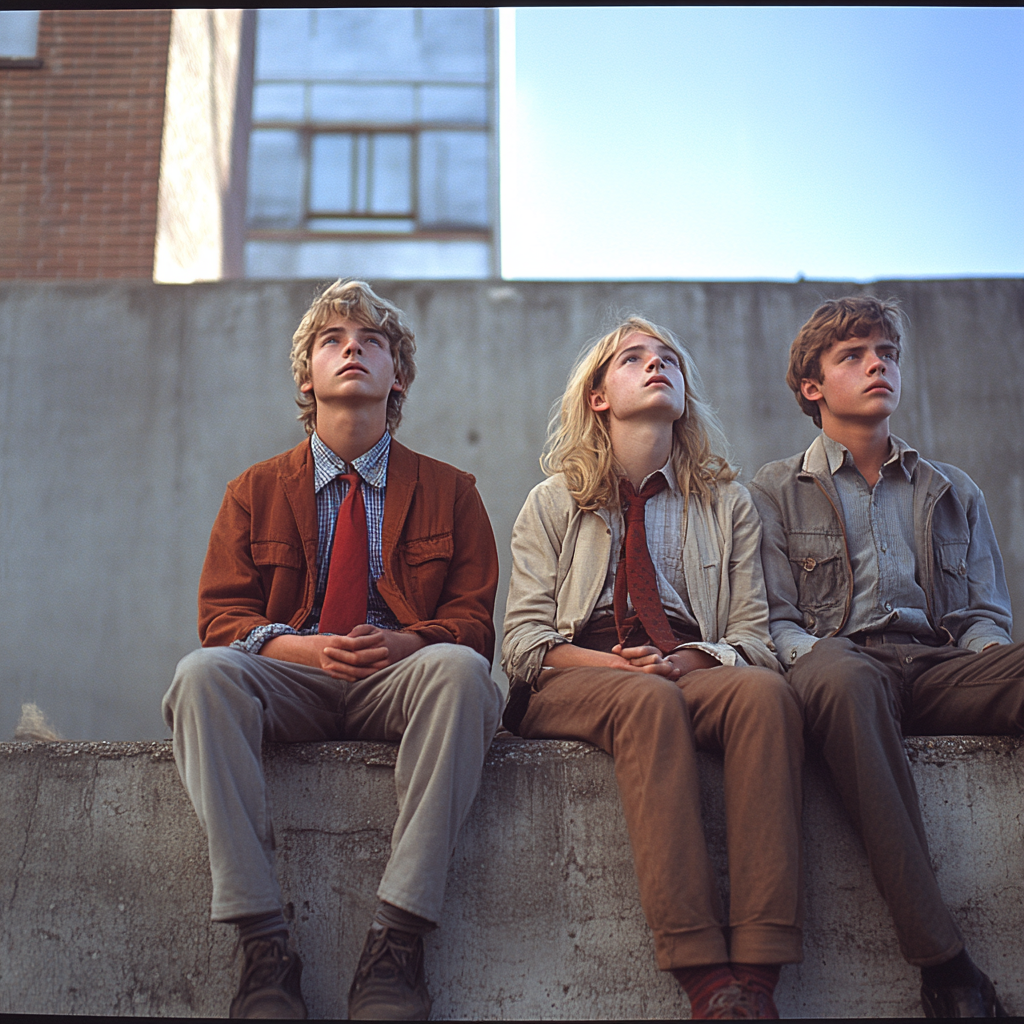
point(407, 152)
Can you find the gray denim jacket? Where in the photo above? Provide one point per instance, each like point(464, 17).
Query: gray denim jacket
point(560, 557)
point(807, 561)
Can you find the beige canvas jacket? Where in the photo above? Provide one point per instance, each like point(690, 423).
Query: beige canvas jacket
point(560, 557)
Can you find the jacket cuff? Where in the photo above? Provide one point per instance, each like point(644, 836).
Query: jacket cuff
point(257, 637)
point(724, 654)
point(791, 648)
point(980, 635)
point(431, 633)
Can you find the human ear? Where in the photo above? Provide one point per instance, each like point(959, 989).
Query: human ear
point(597, 402)
point(811, 389)
point(306, 387)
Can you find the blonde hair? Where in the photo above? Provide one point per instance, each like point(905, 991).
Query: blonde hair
point(579, 445)
point(357, 301)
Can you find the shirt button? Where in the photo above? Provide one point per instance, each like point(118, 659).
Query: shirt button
point(885, 547)
point(887, 606)
point(909, 658)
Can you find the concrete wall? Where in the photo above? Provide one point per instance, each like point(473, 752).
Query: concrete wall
point(542, 916)
point(124, 409)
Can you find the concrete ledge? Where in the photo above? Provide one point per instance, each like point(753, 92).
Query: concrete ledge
point(104, 883)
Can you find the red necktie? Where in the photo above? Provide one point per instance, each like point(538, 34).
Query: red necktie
point(345, 599)
point(635, 574)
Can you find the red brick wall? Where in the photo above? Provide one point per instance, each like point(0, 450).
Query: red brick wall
point(80, 147)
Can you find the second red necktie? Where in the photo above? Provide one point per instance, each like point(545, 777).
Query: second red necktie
point(635, 574)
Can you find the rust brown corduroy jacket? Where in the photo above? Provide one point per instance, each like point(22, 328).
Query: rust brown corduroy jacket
point(440, 561)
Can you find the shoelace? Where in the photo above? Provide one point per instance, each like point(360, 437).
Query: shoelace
point(735, 1001)
point(391, 953)
point(267, 963)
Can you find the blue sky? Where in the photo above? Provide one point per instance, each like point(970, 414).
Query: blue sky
point(851, 143)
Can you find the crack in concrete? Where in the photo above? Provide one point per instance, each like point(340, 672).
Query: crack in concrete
point(28, 832)
point(336, 834)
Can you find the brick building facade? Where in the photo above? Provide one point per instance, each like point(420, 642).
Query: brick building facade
point(128, 146)
point(80, 140)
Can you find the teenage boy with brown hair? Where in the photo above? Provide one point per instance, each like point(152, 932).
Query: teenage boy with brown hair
point(347, 593)
point(890, 610)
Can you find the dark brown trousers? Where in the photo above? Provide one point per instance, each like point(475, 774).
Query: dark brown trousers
point(652, 727)
point(859, 703)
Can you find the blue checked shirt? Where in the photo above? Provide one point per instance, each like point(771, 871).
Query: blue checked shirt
point(330, 493)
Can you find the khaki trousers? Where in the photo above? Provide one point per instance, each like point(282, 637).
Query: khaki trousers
point(440, 705)
point(652, 727)
point(859, 702)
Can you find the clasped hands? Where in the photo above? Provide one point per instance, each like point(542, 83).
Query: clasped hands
point(365, 649)
point(673, 666)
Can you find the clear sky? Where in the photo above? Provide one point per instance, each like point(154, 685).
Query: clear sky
point(689, 142)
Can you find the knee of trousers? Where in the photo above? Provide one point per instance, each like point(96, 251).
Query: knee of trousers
point(649, 702)
point(462, 678)
point(209, 674)
point(769, 697)
point(832, 679)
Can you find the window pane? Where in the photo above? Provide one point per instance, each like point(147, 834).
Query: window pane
point(454, 43)
point(330, 179)
point(453, 179)
point(376, 225)
point(282, 43)
point(18, 33)
point(277, 103)
point(391, 190)
point(275, 179)
point(362, 103)
point(454, 103)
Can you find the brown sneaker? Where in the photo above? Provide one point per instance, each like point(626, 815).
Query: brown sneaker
point(269, 989)
point(389, 982)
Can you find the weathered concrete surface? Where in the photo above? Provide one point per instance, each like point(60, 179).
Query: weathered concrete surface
point(104, 886)
point(125, 408)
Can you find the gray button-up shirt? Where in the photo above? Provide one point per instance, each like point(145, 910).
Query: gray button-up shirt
point(880, 536)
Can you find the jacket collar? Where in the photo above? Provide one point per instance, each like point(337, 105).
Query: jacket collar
point(403, 475)
point(297, 484)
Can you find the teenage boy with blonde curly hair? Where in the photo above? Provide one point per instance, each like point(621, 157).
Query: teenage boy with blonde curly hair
point(637, 620)
point(347, 593)
point(890, 610)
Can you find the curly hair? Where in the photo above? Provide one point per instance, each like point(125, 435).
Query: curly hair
point(580, 447)
point(855, 316)
point(357, 301)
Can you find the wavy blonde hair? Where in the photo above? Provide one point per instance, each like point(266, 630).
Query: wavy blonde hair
point(580, 447)
point(356, 301)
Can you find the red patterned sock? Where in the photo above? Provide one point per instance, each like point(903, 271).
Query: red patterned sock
point(701, 983)
point(760, 979)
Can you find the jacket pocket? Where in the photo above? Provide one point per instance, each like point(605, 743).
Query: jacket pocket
point(276, 552)
point(951, 587)
point(282, 570)
point(426, 560)
point(819, 570)
point(427, 549)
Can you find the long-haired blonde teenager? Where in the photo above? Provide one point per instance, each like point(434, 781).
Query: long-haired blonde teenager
point(637, 620)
